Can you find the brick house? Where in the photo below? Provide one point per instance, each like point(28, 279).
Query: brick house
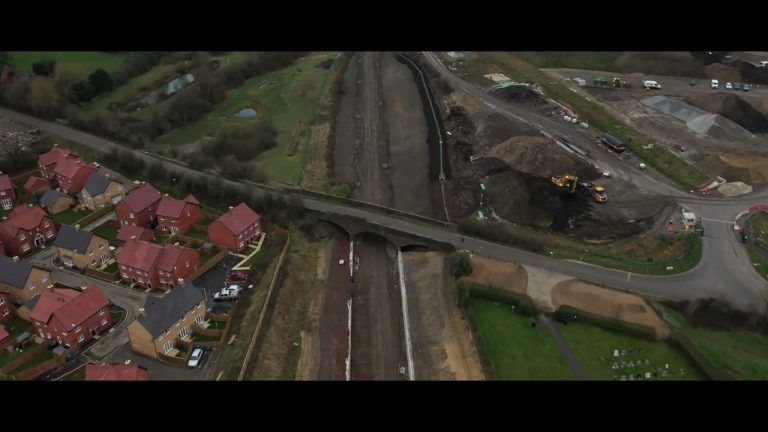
point(5, 306)
point(22, 280)
point(139, 207)
point(80, 249)
point(178, 216)
point(26, 228)
point(101, 190)
point(72, 317)
point(2, 249)
point(56, 202)
point(37, 185)
point(235, 228)
point(116, 372)
point(153, 266)
point(7, 192)
point(5, 338)
point(48, 161)
point(72, 174)
point(128, 232)
point(166, 319)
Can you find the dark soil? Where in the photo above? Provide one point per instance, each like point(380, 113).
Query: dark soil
point(734, 108)
point(326, 64)
point(489, 166)
point(519, 94)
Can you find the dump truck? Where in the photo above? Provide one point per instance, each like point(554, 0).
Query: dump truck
point(566, 182)
point(620, 83)
point(597, 192)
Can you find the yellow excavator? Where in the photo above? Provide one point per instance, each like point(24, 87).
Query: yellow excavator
point(571, 184)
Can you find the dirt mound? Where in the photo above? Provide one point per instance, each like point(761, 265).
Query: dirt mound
point(722, 72)
point(489, 166)
point(494, 129)
point(750, 73)
point(660, 63)
point(745, 168)
point(519, 94)
point(608, 303)
point(497, 273)
point(734, 108)
point(541, 156)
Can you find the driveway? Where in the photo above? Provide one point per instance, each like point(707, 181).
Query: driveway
point(213, 280)
point(159, 371)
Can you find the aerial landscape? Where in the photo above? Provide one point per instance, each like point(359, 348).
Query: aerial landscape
point(371, 216)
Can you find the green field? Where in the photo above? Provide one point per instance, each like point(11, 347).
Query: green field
point(69, 217)
point(596, 61)
point(108, 231)
point(288, 97)
point(512, 349)
point(90, 60)
point(594, 347)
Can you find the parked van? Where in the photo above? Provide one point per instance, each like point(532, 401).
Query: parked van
point(651, 85)
point(715, 84)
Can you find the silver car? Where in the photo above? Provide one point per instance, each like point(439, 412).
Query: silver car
point(197, 356)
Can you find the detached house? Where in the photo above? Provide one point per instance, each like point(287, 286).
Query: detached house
point(7, 192)
point(139, 207)
point(116, 372)
point(166, 319)
point(48, 161)
point(80, 249)
point(5, 306)
point(178, 216)
point(37, 185)
point(26, 228)
point(72, 317)
point(56, 202)
point(101, 190)
point(235, 228)
point(72, 174)
point(153, 266)
point(21, 280)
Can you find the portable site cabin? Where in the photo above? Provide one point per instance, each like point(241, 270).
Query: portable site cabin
point(613, 143)
point(689, 219)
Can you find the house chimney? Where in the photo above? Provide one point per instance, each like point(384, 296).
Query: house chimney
point(15, 258)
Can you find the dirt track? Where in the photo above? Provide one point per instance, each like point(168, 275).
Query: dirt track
point(441, 339)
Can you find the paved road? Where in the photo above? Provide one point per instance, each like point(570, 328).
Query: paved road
point(720, 273)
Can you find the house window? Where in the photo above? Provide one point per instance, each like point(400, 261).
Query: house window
point(101, 246)
point(2, 300)
point(199, 319)
point(90, 253)
point(187, 263)
point(93, 262)
point(46, 224)
point(49, 234)
point(101, 312)
point(168, 346)
point(130, 215)
point(80, 338)
point(188, 215)
point(32, 286)
point(77, 329)
point(125, 275)
point(22, 237)
point(45, 279)
point(184, 333)
point(6, 312)
point(25, 247)
point(104, 321)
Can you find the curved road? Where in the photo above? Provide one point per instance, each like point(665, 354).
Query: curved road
point(724, 271)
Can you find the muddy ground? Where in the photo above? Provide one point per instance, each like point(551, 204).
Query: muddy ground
point(440, 337)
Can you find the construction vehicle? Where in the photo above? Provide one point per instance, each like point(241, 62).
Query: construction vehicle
point(600, 82)
point(620, 83)
point(570, 183)
point(566, 182)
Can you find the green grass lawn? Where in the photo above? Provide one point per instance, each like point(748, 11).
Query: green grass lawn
point(598, 61)
point(70, 217)
point(200, 338)
point(217, 325)
point(288, 97)
point(117, 314)
point(90, 60)
point(760, 226)
point(77, 375)
point(7, 357)
point(758, 262)
point(160, 239)
point(16, 326)
point(594, 347)
point(513, 350)
point(108, 231)
point(204, 258)
point(198, 235)
point(37, 359)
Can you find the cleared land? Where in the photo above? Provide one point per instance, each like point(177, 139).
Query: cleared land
point(90, 60)
point(498, 273)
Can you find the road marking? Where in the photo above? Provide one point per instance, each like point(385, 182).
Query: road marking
point(408, 349)
point(718, 220)
point(628, 276)
point(349, 339)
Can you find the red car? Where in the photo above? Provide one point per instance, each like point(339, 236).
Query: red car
point(237, 275)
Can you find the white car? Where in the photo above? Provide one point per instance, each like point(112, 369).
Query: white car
point(195, 358)
point(606, 174)
point(715, 84)
point(227, 293)
point(728, 86)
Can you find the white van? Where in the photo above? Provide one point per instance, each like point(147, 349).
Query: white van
point(714, 84)
point(651, 85)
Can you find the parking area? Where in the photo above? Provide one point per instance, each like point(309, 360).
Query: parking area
point(213, 280)
point(159, 371)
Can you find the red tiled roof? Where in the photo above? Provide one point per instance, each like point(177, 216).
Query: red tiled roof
point(169, 257)
point(170, 207)
point(24, 217)
point(69, 168)
point(50, 301)
point(82, 307)
point(5, 182)
point(139, 254)
point(3, 333)
point(116, 372)
point(35, 182)
point(128, 232)
point(142, 198)
point(239, 218)
point(191, 199)
point(55, 155)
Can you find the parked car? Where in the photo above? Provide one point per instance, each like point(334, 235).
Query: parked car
point(737, 86)
point(715, 84)
point(693, 83)
point(196, 358)
point(746, 87)
point(237, 275)
point(227, 293)
point(728, 86)
point(219, 309)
